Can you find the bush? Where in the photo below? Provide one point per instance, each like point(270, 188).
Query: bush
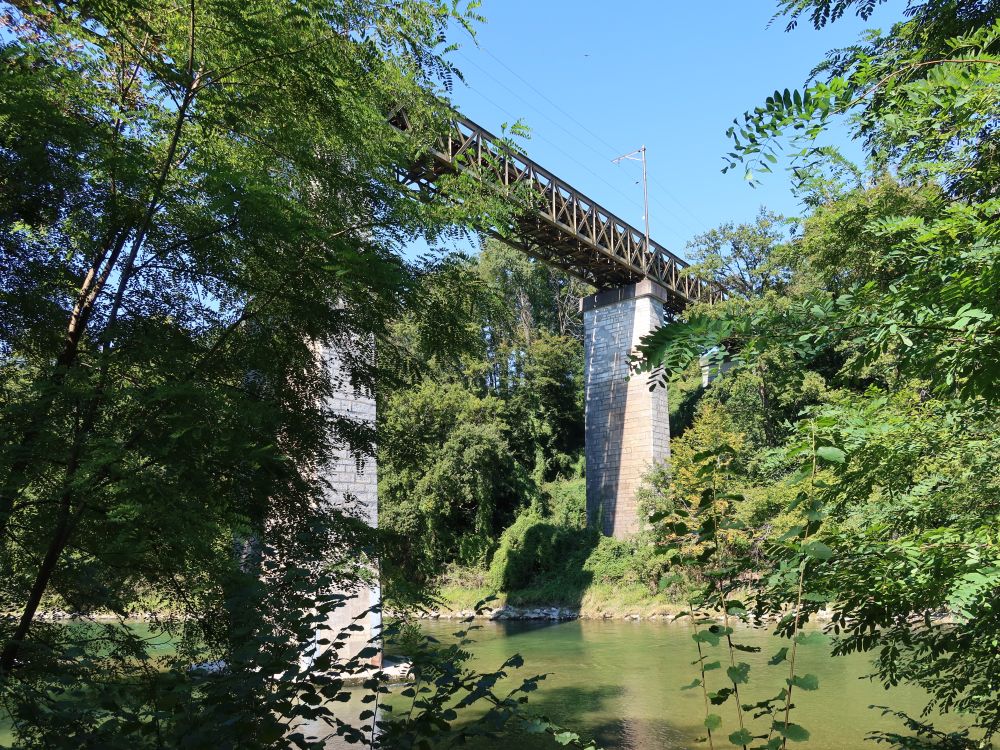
point(625, 562)
point(566, 502)
point(550, 551)
point(449, 479)
point(534, 549)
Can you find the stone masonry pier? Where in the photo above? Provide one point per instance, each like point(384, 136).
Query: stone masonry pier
point(627, 425)
point(352, 487)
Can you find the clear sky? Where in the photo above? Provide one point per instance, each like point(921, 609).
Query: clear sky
point(594, 80)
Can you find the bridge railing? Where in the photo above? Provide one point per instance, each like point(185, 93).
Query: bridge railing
point(564, 226)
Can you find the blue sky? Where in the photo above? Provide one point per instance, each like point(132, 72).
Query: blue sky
point(595, 80)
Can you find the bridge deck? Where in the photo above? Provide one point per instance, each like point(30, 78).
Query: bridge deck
point(563, 226)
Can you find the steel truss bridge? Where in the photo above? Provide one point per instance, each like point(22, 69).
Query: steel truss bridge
point(561, 226)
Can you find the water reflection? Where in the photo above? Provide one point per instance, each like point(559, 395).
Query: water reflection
point(619, 682)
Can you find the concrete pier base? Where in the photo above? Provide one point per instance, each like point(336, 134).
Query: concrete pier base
point(627, 425)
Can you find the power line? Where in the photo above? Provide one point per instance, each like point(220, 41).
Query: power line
point(556, 146)
point(560, 125)
point(583, 127)
point(698, 220)
point(556, 106)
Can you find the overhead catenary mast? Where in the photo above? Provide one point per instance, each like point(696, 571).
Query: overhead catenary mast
point(641, 151)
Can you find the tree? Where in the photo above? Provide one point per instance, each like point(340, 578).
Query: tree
point(451, 477)
point(842, 241)
point(741, 257)
point(552, 393)
point(192, 198)
point(894, 304)
point(470, 440)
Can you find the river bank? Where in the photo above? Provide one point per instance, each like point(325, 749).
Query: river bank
point(596, 602)
point(555, 614)
point(654, 613)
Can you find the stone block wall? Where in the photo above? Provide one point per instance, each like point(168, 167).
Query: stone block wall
point(352, 486)
point(627, 426)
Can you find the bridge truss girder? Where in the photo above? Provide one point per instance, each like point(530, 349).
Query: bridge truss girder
point(561, 226)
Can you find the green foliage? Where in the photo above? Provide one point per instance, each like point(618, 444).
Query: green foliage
point(566, 501)
point(470, 439)
point(533, 550)
point(549, 556)
point(741, 257)
point(683, 394)
point(448, 495)
point(842, 243)
point(441, 327)
point(926, 105)
point(196, 200)
point(623, 562)
point(822, 12)
point(860, 409)
point(740, 737)
point(552, 394)
point(792, 732)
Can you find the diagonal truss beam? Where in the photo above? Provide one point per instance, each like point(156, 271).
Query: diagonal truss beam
point(564, 227)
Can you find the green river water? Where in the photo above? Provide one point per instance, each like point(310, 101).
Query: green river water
point(619, 683)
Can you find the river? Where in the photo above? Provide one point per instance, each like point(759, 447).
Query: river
point(619, 682)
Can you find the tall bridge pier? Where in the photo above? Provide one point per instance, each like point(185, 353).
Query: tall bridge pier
point(627, 425)
point(638, 280)
point(352, 487)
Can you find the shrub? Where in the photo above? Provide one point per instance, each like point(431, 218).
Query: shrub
point(534, 549)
